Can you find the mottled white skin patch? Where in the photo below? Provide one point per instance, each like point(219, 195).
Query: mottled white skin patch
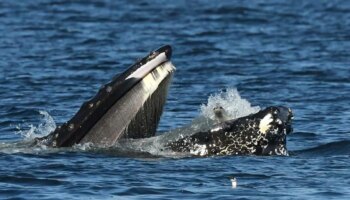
point(265, 123)
point(199, 150)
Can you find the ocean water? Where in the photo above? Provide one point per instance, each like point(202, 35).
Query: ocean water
point(56, 54)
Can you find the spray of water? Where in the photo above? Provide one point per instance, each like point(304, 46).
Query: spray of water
point(44, 128)
point(235, 106)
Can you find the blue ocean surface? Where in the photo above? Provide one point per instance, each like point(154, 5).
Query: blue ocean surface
point(56, 54)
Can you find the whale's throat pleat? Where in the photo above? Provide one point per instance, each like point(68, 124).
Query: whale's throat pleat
point(137, 113)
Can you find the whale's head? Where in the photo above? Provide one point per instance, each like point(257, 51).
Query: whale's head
point(274, 124)
point(262, 133)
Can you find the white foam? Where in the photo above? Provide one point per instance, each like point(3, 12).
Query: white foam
point(234, 105)
point(83, 147)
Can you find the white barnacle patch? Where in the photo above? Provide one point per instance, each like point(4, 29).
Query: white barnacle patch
point(265, 123)
point(199, 150)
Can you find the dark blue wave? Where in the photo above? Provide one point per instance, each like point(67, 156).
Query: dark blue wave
point(329, 149)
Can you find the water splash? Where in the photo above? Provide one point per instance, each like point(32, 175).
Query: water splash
point(234, 105)
point(44, 128)
point(84, 147)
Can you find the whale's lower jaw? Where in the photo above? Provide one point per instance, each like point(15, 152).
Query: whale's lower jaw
point(129, 106)
point(137, 113)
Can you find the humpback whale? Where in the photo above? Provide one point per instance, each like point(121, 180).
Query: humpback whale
point(128, 109)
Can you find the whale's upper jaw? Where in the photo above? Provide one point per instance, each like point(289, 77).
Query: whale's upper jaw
point(103, 120)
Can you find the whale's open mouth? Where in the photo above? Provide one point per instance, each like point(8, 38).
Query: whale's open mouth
point(129, 106)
